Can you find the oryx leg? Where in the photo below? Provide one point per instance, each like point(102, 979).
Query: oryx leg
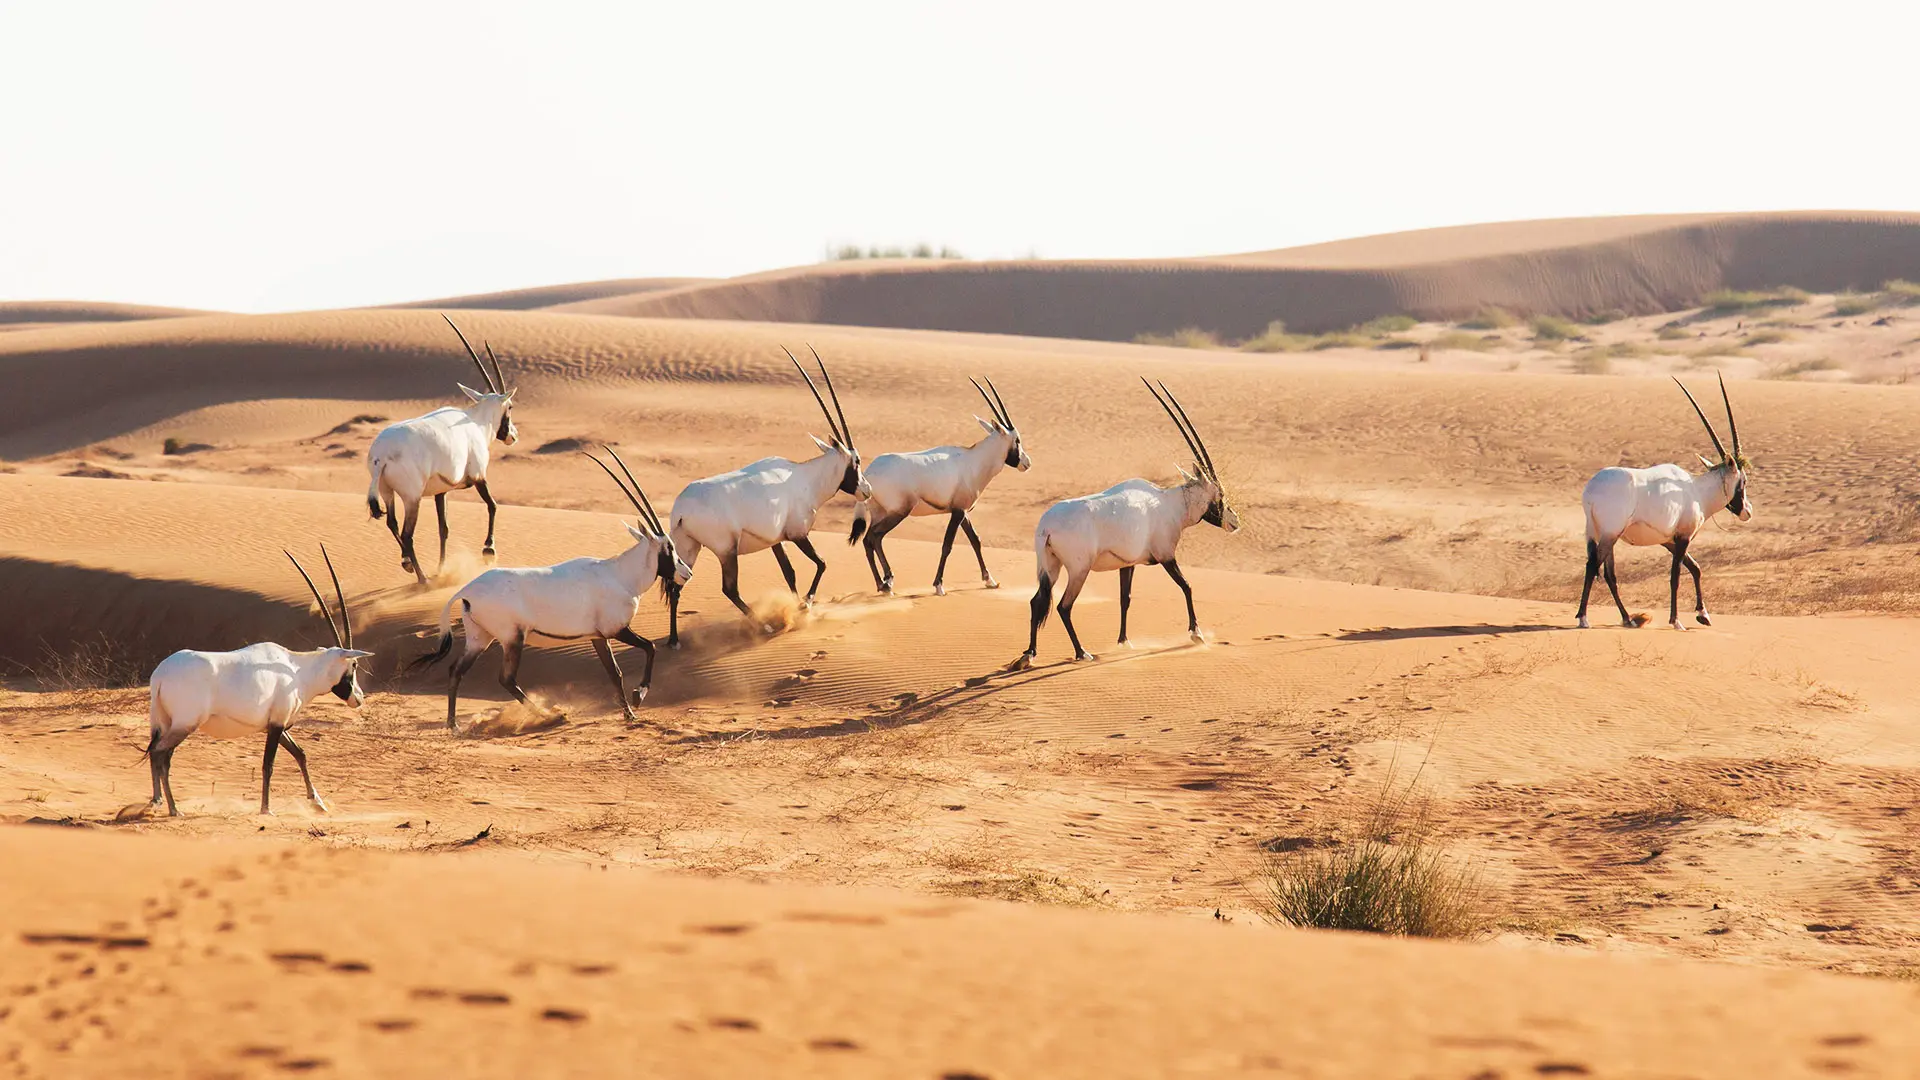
point(1193, 621)
point(492, 509)
point(786, 568)
point(266, 766)
point(478, 642)
point(607, 661)
point(819, 568)
point(1699, 601)
point(1586, 590)
point(1042, 598)
point(689, 552)
point(409, 559)
point(510, 650)
point(393, 521)
point(986, 576)
point(440, 508)
point(1678, 546)
point(627, 636)
point(876, 536)
point(946, 548)
point(1126, 597)
point(1074, 584)
point(730, 588)
point(1613, 584)
point(300, 759)
point(166, 779)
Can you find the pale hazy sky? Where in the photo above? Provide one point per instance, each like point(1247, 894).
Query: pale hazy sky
point(265, 156)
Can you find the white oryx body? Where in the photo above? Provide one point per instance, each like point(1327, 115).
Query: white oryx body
point(448, 449)
point(1133, 523)
point(579, 598)
point(944, 480)
point(766, 504)
point(258, 689)
point(1664, 505)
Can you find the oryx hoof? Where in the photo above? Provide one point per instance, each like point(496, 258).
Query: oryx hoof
point(769, 629)
point(488, 551)
point(629, 714)
point(1584, 624)
point(1083, 655)
point(639, 694)
point(1677, 625)
point(406, 564)
point(1023, 663)
point(264, 812)
point(990, 583)
point(1196, 637)
point(939, 589)
point(1702, 618)
point(320, 804)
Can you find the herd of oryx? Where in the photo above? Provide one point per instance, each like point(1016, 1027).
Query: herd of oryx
point(772, 503)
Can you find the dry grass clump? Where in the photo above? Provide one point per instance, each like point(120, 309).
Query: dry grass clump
point(1766, 337)
point(1793, 369)
point(1187, 337)
point(1491, 318)
point(1856, 304)
point(1899, 291)
point(1598, 359)
point(1393, 878)
point(1457, 339)
point(1553, 328)
point(1673, 332)
point(1387, 325)
point(1277, 338)
point(1719, 348)
point(1735, 301)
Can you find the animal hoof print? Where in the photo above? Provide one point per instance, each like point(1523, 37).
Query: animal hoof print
point(1703, 619)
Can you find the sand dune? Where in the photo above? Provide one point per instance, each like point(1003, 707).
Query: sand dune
point(1573, 268)
point(44, 313)
point(482, 966)
point(556, 296)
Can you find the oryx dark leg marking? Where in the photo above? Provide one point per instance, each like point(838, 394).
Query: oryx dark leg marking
point(1042, 596)
point(730, 582)
point(1699, 600)
point(266, 766)
point(786, 568)
point(946, 547)
point(1613, 585)
point(409, 560)
point(460, 667)
point(492, 509)
point(819, 565)
point(1593, 571)
point(1173, 571)
point(966, 522)
point(1126, 597)
point(166, 781)
point(627, 636)
point(1066, 615)
point(673, 615)
point(440, 507)
point(510, 651)
point(1678, 546)
point(876, 535)
point(300, 759)
point(393, 522)
point(873, 564)
point(607, 661)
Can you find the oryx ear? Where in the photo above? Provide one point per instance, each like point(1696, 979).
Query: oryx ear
point(636, 533)
point(988, 426)
point(510, 393)
point(825, 447)
point(472, 394)
point(1188, 477)
point(1704, 461)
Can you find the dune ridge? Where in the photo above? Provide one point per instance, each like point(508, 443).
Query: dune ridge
point(558, 297)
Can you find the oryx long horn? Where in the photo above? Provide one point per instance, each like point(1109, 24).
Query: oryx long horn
point(339, 594)
point(1198, 441)
point(828, 413)
point(500, 377)
point(317, 598)
point(484, 373)
point(615, 477)
point(1711, 434)
point(1732, 429)
point(991, 406)
point(637, 489)
point(846, 432)
point(1004, 414)
point(1191, 445)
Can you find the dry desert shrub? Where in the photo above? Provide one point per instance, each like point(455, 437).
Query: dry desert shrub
point(1458, 339)
point(1187, 337)
point(1736, 301)
point(1553, 328)
point(1491, 318)
point(1793, 369)
point(1860, 304)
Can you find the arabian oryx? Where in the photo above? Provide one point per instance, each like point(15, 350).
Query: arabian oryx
point(590, 598)
point(766, 504)
point(1133, 523)
point(1664, 505)
point(944, 480)
point(260, 688)
point(445, 450)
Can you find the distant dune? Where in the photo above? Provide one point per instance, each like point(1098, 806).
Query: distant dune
point(556, 296)
point(15, 312)
point(1571, 267)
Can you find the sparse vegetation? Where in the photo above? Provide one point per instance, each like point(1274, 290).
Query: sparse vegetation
point(918, 251)
point(1553, 328)
point(1793, 369)
point(1394, 878)
point(1398, 343)
point(1458, 339)
point(1276, 338)
point(1598, 359)
point(1491, 318)
point(1602, 318)
point(87, 666)
point(1187, 337)
point(1900, 291)
point(174, 446)
point(1718, 348)
point(1387, 325)
point(1766, 337)
point(1856, 304)
point(1672, 332)
point(1735, 301)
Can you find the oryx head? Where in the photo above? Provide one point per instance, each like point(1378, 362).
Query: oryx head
point(1732, 465)
point(853, 481)
point(669, 569)
point(497, 394)
point(346, 658)
point(1002, 425)
point(1204, 477)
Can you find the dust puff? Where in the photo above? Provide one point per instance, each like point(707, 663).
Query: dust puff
point(514, 718)
point(1640, 619)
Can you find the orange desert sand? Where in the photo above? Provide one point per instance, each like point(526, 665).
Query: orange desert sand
point(864, 847)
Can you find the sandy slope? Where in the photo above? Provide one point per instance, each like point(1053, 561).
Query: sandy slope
point(1567, 267)
point(556, 296)
point(37, 314)
point(277, 960)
